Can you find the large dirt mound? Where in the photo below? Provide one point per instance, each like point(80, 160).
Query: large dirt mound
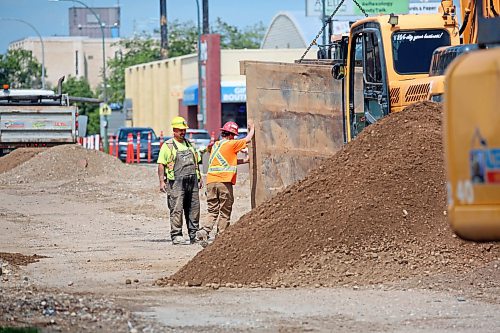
point(17, 157)
point(374, 212)
point(67, 162)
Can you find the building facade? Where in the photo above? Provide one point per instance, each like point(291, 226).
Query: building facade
point(75, 56)
point(156, 92)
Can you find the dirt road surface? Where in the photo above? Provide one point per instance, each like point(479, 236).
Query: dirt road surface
point(105, 242)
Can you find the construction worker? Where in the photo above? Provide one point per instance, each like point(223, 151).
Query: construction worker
point(221, 177)
point(180, 178)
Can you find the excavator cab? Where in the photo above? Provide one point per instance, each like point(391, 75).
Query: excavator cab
point(386, 58)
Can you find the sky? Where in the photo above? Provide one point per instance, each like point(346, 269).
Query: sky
point(51, 18)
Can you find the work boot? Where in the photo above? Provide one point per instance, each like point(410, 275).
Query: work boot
point(178, 240)
point(202, 238)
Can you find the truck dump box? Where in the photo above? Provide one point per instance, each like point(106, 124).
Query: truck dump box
point(297, 110)
point(28, 124)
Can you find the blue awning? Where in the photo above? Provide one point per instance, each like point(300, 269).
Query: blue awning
point(190, 95)
point(230, 92)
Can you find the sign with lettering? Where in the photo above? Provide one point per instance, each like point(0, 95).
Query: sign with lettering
point(349, 8)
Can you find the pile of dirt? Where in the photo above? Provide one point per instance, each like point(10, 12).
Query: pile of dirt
point(17, 157)
point(374, 213)
point(67, 162)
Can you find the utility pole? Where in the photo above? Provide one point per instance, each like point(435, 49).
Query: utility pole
point(163, 29)
point(323, 20)
point(205, 17)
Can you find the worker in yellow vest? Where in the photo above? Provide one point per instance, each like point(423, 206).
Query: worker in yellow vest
point(179, 175)
point(221, 177)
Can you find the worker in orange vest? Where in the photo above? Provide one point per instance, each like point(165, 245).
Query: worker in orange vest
point(221, 177)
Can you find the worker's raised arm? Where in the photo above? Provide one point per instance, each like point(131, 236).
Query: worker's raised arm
point(251, 131)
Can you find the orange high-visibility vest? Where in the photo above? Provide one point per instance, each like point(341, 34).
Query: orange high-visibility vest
point(223, 161)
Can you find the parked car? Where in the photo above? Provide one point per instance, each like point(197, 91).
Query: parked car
point(122, 134)
point(199, 138)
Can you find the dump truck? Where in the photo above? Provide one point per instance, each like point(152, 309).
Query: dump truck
point(304, 115)
point(35, 118)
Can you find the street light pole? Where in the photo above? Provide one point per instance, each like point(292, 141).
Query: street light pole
point(41, 42)
point(201, 107)
point(105, 95)
point(104, 80)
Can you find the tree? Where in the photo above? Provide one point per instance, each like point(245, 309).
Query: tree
point(79, 87)
point(249, 37)
point(137, 50)
point(20, 69)
point(182, 38)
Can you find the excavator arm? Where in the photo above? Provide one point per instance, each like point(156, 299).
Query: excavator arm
point(468, 29)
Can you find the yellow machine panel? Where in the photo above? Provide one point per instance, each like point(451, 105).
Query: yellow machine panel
point(472, 141)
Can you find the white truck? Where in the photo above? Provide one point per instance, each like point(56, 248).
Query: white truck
point(35, 118)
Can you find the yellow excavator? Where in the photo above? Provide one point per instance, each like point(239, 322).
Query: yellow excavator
point(472, 132)
point(387, 60)
point(386, 63)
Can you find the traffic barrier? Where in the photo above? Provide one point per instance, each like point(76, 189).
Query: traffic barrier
point(111, 145)
point(85, 143)
point(117, 146)
point(130, 148)
point(97, 142)
point(138, 147)
point(149, 147)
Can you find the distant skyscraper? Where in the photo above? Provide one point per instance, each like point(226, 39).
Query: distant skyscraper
point(83, 23)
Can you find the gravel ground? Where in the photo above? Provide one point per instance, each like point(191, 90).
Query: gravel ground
point(103, 242)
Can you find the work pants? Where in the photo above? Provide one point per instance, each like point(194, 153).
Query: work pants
point(220, 204)
point(183, 196)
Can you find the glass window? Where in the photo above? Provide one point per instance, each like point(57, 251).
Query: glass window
point(373, 70)
point(144, 133)
point(412, 49)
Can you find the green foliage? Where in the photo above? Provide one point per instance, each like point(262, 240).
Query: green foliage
point(182, 38)
point(79, 87)
point(249, 37)
point(93, 126)
point(135, 51)
point(20, 69)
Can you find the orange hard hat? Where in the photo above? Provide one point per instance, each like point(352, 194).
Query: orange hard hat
point(230, 127)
